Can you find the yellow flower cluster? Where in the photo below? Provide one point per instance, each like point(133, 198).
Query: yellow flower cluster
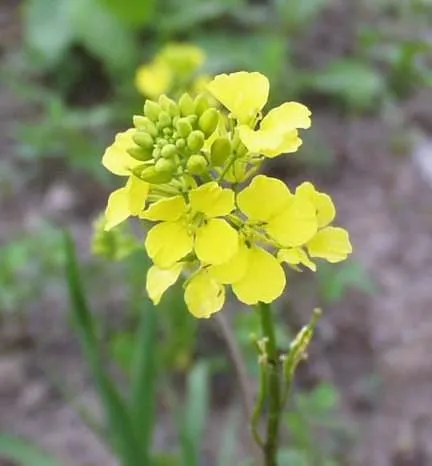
point(190, 169)
point(173, 68)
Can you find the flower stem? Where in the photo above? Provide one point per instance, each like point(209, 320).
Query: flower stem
point(274, 386)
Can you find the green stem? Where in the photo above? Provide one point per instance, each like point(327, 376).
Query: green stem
point(274, 386)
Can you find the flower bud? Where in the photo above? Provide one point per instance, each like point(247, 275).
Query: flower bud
point(180, 143)
point(152, 110)
point(197, 165)
point(169, 151)
point(186, 105)
point(208, 121)
point(140, 153)
point(166, 166)
point(220, 151)
point(168, 105)
point(145, 124)
point(164, 119)
point(195, 140)
point(143, 139)
point(183, 127)
point(201, 104)
point(151, 175)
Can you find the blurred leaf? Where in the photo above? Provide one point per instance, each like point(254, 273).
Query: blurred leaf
point(322, 400)
point(354, 82)
point(119, 423)
point(48, 30)
point(104, 35)
point(297, 14)
point(334, 280)
point(24, 453)
point(144, 378)
point(195, 414)
point(293, 457)
point(229, 441)
point(134, 13)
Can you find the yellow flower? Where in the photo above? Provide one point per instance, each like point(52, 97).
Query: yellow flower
point(154, 79)
point(288, 219)
point(159, 280)
point(330, 243)
point(244, 95)
point(182, 58)
point(193, 226)
point(116, 158)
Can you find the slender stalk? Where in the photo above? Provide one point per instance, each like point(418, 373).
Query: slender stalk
point(274, 386)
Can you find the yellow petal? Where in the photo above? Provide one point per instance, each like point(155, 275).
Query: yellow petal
point(159, 280)
point(295, 256)
point(263, 198)
point(116, 159)
point(295, 225)
point(154, 79)
point(233, 270)
point(117, 209)
point(269, 142)
point(169, 209)
point(331, 243)
point(323, 203)
point(216, 242)
point(168, 242)
point(203, 295)
point(243, 94)
point(286, 117)
point(264, 279)
point(212, 200)
point(137, 193)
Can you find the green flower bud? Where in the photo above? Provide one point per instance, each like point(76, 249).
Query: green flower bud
point(164, 119)
point(151, 175)
point(169, 151)
point(195, 140)
point(183, 127)
point(168, 105)
point(143, 123)
point(165, 166)
point(167, 131)
point(143, 139)
point(220, 150)
point(140, 153)
point(208, 121)
point(200, 104)
point(180, 143)
point(152, 110)
point(197, 165)
point(186, 105)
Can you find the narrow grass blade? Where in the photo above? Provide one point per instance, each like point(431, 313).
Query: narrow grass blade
point(228, 445)
point(24, 453)
point(144, 379)
point(195, 414)
point(119, 424)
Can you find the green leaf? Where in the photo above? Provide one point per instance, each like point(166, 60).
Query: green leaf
point(195, 414)
point(47, 29)
point(144, 379)
point(134, 13)
point(119, 423)
point(354, 82)
point(24, 453)
point(104, 35)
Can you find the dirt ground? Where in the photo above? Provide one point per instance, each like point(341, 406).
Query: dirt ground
point(383, 198)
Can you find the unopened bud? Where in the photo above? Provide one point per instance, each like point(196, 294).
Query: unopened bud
point(164, 119)
point(169, 151)
point(220, 151)
point(152, 110)
point(195, 140)
point(143, 139)
point(151, 175)
point(186, 105)
point(208, 121)
point(144, 123)
point(168, 105)
point(165, 166)
point(141, 154)
point(200, 104)
point(180, 143)
point(197, 165)
point(184, 128)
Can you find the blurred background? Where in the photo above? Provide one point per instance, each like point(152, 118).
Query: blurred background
point(68, 84)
